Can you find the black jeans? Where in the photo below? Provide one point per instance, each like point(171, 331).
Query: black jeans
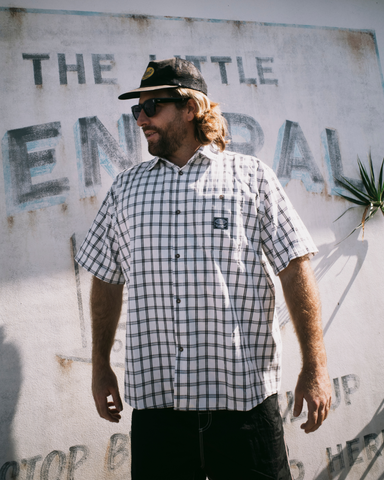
point(222, 445)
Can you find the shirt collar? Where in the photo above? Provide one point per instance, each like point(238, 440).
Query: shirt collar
point(205, 151)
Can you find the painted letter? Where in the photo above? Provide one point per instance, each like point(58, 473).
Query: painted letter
point(288, 414)
point(332, 156)
point(300, 467)
point(44, 474)
point(240, 68)
point(294, 159)
point(223, 71)
point(4, 469)
point(353, 452)
point(336, 401)
point(95, 146)
point(64, 68)
point(36, 61)
point(348, 391)
point(261, 70)
point(72, 464)
point(332, 458)
point(245, 133)
point(129, 135)
point(196, 60)
point(371, 443)
point(97, 68)
point(30, 465)
point(118, 447)
point(29, 152)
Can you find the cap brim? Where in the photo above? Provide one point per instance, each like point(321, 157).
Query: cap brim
point(136, 93)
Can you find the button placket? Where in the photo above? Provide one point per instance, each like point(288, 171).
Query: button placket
point(178, 279)
point(176, 245)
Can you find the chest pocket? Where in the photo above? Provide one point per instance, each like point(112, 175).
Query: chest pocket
point(219, 222)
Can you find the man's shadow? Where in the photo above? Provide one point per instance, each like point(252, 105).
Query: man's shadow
point(341, 466)
point(10, 383)
point(354, 250)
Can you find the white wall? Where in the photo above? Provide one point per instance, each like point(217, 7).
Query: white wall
point(324, 91)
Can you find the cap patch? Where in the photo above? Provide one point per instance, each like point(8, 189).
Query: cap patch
point(148, 73)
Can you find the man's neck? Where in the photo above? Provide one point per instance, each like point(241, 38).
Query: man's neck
point(181, 157)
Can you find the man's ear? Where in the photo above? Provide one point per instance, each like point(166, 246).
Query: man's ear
point(191, 109)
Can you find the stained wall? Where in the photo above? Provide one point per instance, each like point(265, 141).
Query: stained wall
point(305, 99)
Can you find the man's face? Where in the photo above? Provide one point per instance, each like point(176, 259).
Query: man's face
point(167, 130)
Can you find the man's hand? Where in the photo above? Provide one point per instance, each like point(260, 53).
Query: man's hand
point(104, 384)
point(315, 389)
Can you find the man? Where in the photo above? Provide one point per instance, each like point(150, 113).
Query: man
point(193, 234)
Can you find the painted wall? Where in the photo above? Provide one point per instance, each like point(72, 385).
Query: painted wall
point(306, 100)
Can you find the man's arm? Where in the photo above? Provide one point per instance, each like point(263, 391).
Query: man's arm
point(106, 300)
point(303, 302)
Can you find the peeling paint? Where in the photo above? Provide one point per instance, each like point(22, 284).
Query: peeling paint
point(64, 363)
point(17, 13)
point(142, 21)
point(32, 215)
point(92, 200)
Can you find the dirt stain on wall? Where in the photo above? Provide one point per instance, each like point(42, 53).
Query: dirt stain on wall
point(360, 44)
point(64, 363)
point(17, 13)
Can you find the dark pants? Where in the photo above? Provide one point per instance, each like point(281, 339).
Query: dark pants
point(221, 445)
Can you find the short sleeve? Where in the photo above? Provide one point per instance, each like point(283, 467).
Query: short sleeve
point(283, 234)
point(99, 252)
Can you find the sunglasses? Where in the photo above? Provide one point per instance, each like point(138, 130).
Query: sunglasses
point(149, 106)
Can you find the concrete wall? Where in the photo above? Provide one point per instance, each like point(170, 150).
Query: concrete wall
point(306, 99)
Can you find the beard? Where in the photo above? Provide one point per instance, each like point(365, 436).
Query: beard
point(170, 139)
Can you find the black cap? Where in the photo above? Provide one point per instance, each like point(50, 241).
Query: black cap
point(170, 73)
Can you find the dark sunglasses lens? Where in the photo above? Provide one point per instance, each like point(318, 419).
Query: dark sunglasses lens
point(149, 108)
point(136, 109)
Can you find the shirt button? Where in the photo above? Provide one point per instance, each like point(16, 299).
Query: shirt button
point(177, 255)
point(178, 300)
point(180, 172)
point(181, 349)
point(178, 212)
point(221, 197)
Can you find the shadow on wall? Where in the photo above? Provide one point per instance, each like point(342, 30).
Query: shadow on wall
point(354, 251)
point(10, 382)
point(366, 448)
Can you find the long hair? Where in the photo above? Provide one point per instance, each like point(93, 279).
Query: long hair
point(210, 125)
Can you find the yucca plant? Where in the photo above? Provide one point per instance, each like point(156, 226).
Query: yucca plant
point(371, 197)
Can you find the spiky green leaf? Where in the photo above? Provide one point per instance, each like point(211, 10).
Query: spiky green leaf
point(355, 191)
point(373, 196)
point(354, 200)
point(344, 213)
point(368, 183)
point(380, 185)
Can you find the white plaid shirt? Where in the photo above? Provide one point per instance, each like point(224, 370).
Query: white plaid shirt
point(193, 246)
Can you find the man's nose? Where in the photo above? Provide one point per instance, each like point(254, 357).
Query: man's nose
point(142, 118)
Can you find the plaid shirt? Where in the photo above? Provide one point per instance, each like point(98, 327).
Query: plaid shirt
point(194, 246)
